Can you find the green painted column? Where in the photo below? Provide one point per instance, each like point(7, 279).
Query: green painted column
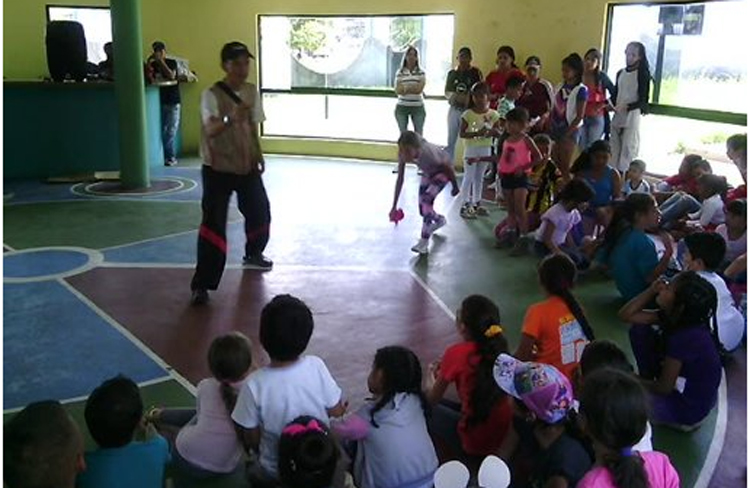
point(130, 92)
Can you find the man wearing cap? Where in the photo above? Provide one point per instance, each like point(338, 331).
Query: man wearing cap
point(232, 162)
point(162, 69)
point(457, 87)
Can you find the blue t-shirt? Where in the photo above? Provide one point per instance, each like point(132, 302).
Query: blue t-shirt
point(138, 464)
point(631, 263)
point(603, 187)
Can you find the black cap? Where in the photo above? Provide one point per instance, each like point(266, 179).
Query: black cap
point(158, 46)
point(233, 50)
point(464, 51)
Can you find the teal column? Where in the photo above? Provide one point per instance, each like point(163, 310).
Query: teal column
point(130, 92)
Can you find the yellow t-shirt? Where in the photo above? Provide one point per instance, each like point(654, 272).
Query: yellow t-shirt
point(475, 122)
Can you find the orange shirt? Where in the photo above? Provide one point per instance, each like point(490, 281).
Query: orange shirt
point(558, 335)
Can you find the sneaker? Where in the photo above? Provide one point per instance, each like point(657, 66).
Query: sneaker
point(437, 224)
point(259, 262)
point(481, 211)
point(468, 212)
point(421, 247)
point(170, 162)
point(200, 297)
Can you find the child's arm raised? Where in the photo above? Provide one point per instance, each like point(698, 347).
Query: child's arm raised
point(616, 185)
point(663, 264)
point(633, 312)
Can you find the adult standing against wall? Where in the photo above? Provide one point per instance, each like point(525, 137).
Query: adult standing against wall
point(537, 95)
point(162, 69)
point(409, 86)
point(457, 86)
point(504, 70)
point(233, 162)
point(601, 88)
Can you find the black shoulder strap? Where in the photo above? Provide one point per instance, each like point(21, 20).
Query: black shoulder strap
point(230, 93)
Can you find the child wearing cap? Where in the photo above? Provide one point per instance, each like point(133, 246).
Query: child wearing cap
point(634, 178)
point(540, 441)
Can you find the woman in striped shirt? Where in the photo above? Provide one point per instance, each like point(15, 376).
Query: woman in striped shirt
point(410, 81)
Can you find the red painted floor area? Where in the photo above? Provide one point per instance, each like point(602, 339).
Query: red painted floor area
point(355, 313)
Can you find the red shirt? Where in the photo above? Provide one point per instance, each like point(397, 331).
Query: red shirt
point(737, 193)
point(498, 80)
point(596, 101)
point(678, 182)
point(459, 366)
point(535, 98)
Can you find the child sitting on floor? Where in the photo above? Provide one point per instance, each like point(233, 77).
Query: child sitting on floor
point(540, 445)
point(308, 455)
point(604, 354)
point(543, 182)
point(291, 386)
point(734, 230)
point(393, 447)
point(43, 448)
point(593, 167)
point(205, 441)
point(114, 415)
point(679, 361)
point(704, 254)
point(478, 425)
point(686, 179)
point(614, 414)
point(628, 251)
point(711, 189)
point(553, 235)
point(634, 179)
point(556, 330)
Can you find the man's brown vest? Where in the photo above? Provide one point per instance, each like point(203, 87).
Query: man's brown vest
point(231, 151)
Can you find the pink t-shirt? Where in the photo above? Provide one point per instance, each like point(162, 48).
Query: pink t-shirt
point(210, 442)
point(515, 156)
point(659, 471)
point(562, 219)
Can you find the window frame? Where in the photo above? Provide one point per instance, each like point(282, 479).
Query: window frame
point(359, 92)
point(86, 7)
point(707, 115)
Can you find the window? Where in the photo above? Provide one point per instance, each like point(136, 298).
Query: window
point(322, 67)
point(695, 51)
point(97, 26)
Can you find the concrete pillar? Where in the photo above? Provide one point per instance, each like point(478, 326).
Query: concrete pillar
point(130, 92)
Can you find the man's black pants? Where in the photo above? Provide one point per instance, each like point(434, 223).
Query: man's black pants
point(253, 204)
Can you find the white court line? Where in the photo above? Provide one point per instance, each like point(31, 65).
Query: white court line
point(717, 442)
point(125, 332)
point(90, 198)
point(432, 294)
point(81, 398)
point(277, 267)
point(166, 236)
point(95, 259)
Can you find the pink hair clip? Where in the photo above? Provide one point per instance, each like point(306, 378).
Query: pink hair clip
point(297, 429)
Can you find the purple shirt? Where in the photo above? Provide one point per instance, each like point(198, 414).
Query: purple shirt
point(701, 369)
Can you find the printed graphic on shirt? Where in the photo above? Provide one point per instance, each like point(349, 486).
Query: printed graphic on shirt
point(572, 340)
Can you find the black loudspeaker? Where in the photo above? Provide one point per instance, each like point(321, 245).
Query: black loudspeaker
point(66, 50)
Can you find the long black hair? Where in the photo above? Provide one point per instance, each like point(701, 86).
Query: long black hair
point(479, 314)
point(402, 373)
point(695, 304)
point(598, 55)
point(510, 52)
point(615, 408)
point(575, 62)
point(406, 53)
point(624, 218)
point(584, 160)
point(643, 62)
point(557, 274)
point(230, 359)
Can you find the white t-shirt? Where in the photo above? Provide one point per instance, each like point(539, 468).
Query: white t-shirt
point(643, 187)
point(711, 212)
point(735, 248)
point(562, 219)
point(273, 397)
point(730, 321)
point(627, 93)
point(210, 107)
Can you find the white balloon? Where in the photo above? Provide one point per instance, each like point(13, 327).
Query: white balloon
point(494, 473)
point(452, 474)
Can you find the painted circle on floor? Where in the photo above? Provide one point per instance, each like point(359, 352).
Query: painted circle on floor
point(48, 263)
point(159, 186)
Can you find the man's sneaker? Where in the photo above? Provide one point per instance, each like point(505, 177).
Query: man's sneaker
point(437, 223)
point(170, 162)
point(259, 262)
point(481, 211)
point(468, 212)
point(421, 247)
point(200, 297)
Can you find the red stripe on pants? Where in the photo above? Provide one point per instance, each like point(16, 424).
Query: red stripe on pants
point(213, 238)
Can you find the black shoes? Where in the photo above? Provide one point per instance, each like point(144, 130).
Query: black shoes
point(259, 262)
point(200, 297)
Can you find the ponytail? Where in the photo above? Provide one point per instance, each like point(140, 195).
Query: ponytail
point(557, 273)
point(627, 469)
point(577, 311)
point(229, 397)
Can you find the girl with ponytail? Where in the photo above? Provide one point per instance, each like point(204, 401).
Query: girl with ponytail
point(556, 330)
point(679, 361)
point(485, 413)
point(207, 441)
point(614, 414)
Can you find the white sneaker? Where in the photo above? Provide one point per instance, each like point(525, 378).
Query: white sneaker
point(437, 223)
point(421, 246)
